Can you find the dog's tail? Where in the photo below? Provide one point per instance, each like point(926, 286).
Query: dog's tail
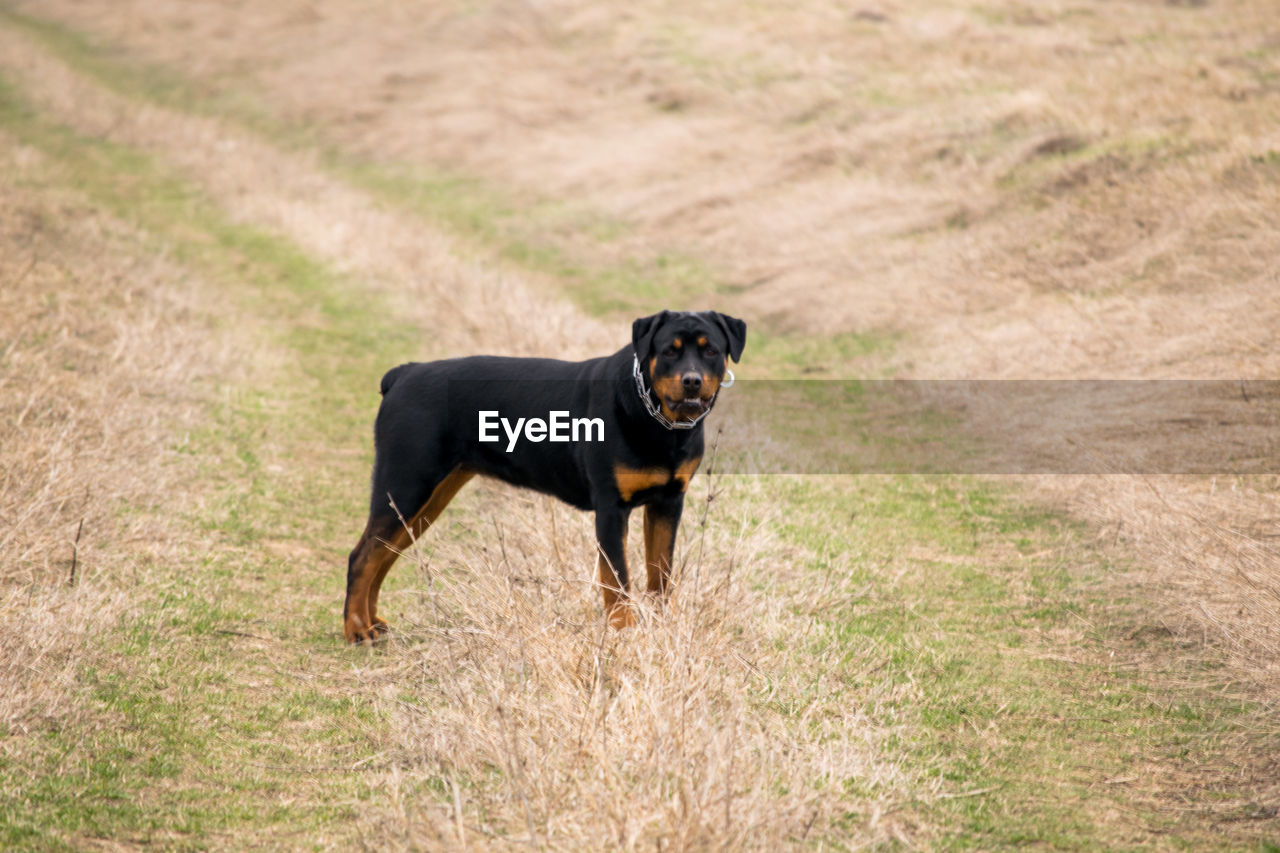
point(390, 377)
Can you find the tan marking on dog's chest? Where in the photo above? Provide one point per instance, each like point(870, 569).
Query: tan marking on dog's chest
point(632, 480)
point(685, 472)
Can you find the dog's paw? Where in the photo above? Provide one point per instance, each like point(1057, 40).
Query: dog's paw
point(359, 636)
point(622, 616)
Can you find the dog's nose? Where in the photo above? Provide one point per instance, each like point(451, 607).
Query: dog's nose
point(692, 382)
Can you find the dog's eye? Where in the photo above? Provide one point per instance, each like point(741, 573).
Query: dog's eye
point(711, 351)
point(669, 352)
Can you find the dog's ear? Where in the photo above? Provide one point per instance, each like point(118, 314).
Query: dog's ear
point(735, 330)
point(642, 332)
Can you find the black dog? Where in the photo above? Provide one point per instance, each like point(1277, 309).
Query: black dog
point(608, 434)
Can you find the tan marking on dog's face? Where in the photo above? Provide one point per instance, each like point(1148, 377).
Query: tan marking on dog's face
point(710, 385)
point(667, 387)
point(633, 480)
point(710, 379)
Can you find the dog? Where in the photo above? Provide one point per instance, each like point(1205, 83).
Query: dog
point(620, 432)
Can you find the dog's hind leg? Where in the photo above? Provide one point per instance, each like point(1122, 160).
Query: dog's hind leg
point(383, 539)
point(388, 533)
point(441, 495)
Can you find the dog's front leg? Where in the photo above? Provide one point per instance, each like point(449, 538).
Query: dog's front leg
point(611, 540)
point(661, 520)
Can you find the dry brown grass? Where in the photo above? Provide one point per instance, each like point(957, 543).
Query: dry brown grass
point(1206, 544)
point(103, 355)
point(708, 727)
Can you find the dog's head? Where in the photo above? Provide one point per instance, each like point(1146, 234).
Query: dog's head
point(684, 353)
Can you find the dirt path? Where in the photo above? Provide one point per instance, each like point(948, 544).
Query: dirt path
point(954, 170)
point(462, 304)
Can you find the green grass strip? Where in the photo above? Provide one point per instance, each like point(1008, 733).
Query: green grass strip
point(1023, 740)
point(195, 757)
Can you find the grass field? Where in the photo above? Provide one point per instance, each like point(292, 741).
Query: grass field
point(221, 223)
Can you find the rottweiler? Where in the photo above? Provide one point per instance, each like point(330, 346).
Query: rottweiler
point(608, 434)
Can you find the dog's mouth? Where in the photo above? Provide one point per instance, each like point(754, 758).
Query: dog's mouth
point(688, 408)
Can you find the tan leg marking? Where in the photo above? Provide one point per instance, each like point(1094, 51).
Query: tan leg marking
point(375, 557)
point(617, 609)
point(659, 547)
